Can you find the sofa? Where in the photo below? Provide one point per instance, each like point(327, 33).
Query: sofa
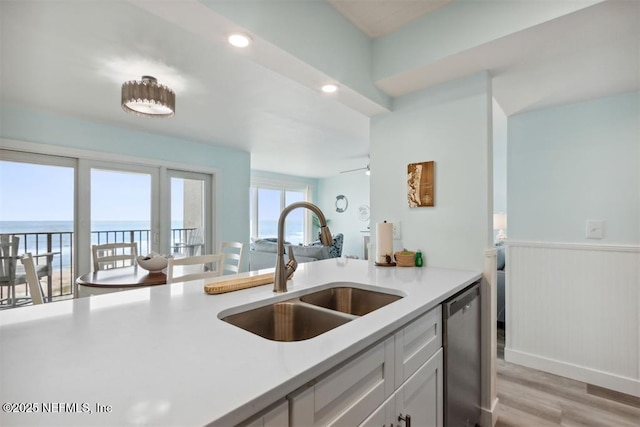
point(262, 252)
point(500, 282)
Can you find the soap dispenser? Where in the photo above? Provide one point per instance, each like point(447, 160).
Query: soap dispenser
point(419, 258)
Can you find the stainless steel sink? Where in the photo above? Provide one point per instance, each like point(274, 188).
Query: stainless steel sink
point(310, 315)
point(354, 301)
point(287, 321)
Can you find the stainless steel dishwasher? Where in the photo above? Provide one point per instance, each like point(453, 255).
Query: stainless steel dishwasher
point(461, 344)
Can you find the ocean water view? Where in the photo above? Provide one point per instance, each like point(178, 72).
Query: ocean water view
point(62, 234)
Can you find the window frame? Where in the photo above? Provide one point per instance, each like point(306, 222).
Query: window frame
point(282, 186)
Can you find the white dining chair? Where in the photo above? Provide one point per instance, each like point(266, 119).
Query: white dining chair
point(233, 255)
point(114, 255)
point(194, 267)
point(33, 281)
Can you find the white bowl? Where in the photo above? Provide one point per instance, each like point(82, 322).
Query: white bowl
point(153, 263)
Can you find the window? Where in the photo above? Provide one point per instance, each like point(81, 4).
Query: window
point(266, 203)
point(37, 208)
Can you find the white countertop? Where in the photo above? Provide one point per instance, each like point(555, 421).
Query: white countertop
point(161, 355)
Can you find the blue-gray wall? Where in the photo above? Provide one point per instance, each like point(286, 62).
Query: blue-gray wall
point(572, 163)
point(355, 187)
point(451, 125)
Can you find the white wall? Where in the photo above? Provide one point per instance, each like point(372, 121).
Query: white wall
point(355, 187)
point(573, 304)
point(451, 125)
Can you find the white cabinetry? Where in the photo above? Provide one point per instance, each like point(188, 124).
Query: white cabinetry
point(419, 398)
point(400, 375)
point(348, 394)
point(416, 343)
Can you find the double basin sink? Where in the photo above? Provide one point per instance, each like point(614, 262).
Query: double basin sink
point(312, 314)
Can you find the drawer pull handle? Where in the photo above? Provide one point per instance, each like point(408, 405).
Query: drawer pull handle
point(406, 419)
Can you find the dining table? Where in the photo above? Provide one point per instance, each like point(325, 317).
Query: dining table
point(118, 279)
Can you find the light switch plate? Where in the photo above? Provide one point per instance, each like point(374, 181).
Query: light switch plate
point(595, 229)
point(396, 231)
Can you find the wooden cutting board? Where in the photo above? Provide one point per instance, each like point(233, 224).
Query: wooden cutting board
point(237, 284)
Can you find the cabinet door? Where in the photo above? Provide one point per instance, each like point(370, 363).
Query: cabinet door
point(416, 343)
point(421, 396)
point(349, 394)
point(384, 416)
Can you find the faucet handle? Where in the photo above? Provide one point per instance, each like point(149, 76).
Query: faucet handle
point(292, 264)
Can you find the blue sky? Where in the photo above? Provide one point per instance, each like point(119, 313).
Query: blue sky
point(30, 192)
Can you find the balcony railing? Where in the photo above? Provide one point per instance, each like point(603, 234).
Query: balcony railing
point(60, 284)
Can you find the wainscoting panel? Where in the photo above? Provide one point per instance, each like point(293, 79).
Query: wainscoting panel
point(574, 310)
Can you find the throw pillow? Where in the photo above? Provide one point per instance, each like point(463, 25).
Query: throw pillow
point(317, 252)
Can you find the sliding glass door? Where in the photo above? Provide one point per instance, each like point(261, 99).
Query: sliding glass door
point(37, 196)
point(121, 207)
point(190, 210)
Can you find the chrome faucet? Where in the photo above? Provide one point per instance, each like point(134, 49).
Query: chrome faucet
point(284, 272)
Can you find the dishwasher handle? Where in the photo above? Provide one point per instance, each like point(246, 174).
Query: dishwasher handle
point(460, 301)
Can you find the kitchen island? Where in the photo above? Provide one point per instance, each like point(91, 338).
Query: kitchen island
point(162, 356)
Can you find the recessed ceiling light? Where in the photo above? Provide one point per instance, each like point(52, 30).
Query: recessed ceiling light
point(329, 88)
point(239, 40)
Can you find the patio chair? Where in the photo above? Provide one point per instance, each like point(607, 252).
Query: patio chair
point(233, 255)
point(114, 255)
point(194, 244)
point(35, 288)
point(12, 273)
point(195, 267)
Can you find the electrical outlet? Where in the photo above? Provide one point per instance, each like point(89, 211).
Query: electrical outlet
point(396, 231)
point(595, 229)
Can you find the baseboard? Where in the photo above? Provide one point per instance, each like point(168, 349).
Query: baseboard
point(488, 418)
point(616, 396)
point(607, 380)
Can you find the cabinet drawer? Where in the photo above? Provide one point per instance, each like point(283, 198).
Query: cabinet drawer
point(416, 343)
point(349, 394)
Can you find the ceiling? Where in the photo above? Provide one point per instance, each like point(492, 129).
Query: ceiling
point(70, 58)
point(379, 18)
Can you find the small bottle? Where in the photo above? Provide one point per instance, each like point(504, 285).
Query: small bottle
point(418, 258)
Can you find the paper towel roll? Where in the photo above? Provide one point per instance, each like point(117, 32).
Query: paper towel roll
point(384, 242)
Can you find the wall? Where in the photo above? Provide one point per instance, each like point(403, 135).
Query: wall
point(355, 187)
point(499, 159)
point(234, 165)
point(572, 303)
point(450, 124)
point(573, 163)
point(499, 162)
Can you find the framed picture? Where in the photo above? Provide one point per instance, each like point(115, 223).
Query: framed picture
point(420, 184)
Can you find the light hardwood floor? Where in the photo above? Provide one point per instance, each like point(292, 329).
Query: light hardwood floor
point(528, 397)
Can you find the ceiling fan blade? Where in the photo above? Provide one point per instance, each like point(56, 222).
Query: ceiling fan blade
point(353, 170)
